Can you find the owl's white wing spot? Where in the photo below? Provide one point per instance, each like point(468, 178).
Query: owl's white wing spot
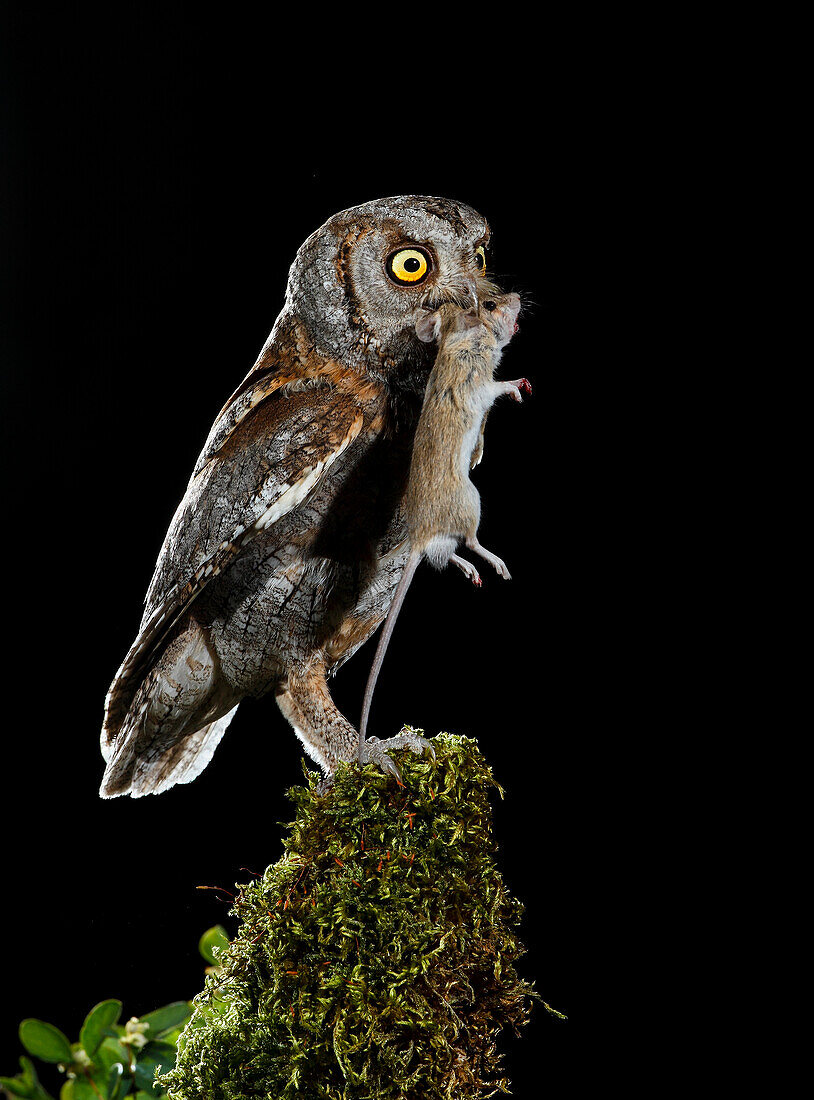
point(293, 495)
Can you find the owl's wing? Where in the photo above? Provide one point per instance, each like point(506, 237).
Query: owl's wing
point(265, 466)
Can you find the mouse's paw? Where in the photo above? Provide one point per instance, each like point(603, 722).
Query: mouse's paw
point(468, 568)
point(497, 563)
point(501, 568)
point(517, 387)
point(378, 752)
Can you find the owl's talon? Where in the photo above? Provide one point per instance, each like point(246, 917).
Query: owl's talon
point(378, 752)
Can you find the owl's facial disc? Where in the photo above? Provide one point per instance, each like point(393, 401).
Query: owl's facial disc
point(412, 265)
point(360, 282)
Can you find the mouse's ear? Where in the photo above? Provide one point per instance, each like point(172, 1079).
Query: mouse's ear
point(427, 327)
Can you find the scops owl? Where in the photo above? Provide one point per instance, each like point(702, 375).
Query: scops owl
point(285, 551)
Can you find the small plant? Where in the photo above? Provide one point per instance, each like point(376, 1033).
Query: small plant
point(111, 1060)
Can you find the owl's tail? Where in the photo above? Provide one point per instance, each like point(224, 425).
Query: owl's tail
point(134, 772)
point(163, 724)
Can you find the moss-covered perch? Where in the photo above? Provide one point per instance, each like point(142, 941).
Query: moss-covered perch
point(375, 960)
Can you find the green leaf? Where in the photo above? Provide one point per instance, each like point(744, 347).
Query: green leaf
point(214, 937)
point(165, 1019)
point(45, 1041)
point(83, 1089)
point(114, 1080)
point(157, 1051)
point(15, 1086)
point(25, 1083)
point(29, 1074)
point(110, 1052)
point(145, 1072)
point(98, 1020)
point(28, 1079)
point(150, 1058)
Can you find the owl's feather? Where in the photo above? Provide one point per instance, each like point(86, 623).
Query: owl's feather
point(268, 465)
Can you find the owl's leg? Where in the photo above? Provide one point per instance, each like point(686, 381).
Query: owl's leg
point(326, 734)
point(306, 703)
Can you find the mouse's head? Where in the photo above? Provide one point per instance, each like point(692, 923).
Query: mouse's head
point(439, 323)
point(497, 314)
point(500, 313)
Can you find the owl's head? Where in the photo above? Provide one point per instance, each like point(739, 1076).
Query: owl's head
point(362, 280)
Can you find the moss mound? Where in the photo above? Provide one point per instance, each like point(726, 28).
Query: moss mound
point(375, 960)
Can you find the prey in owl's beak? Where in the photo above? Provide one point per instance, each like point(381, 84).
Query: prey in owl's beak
point(466, 294)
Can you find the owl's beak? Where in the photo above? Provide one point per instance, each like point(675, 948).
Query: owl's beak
point(463, 294)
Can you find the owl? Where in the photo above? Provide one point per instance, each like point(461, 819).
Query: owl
point(285, 552)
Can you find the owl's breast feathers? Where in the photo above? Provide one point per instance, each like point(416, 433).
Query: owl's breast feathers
point(268, 451)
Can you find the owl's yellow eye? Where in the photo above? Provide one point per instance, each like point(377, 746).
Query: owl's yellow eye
point(480, 258)
point(408, 266)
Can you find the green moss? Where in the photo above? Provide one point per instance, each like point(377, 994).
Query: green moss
point(376, 959)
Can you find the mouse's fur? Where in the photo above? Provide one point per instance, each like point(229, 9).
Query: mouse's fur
point(442, 506)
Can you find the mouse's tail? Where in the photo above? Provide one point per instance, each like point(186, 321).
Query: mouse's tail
point(384, 639)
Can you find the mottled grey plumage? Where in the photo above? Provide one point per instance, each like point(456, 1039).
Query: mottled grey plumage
point(283, 556)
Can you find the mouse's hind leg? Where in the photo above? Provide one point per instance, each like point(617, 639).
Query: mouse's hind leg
point(468, 568)
point(493, 559)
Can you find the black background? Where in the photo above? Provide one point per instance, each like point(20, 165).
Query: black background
point(163, 174)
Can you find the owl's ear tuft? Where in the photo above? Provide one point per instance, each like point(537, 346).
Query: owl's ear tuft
point(427, 327)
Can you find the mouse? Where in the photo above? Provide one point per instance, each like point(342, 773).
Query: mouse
point(441, 505)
